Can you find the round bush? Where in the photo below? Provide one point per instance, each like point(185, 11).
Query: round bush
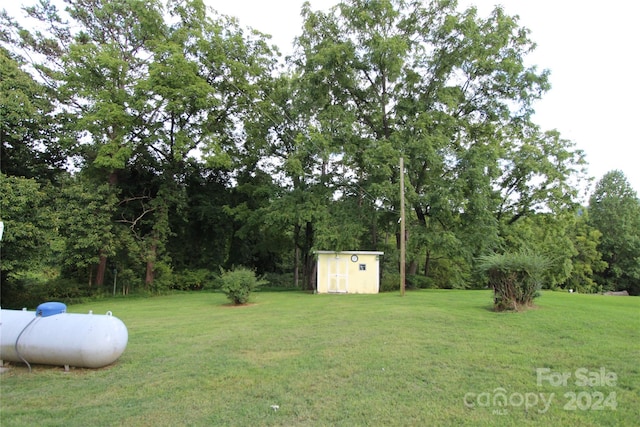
point(238, 284)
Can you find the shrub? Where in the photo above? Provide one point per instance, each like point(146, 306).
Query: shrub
point(516, 278)
point(238, 284)
point(390, 282)
point(281, 281)
point(162, 277)
point(30, 293)
point(448, 273)
point(192, 280)
point(416, 281)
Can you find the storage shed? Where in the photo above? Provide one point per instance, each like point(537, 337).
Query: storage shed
point(353, 272)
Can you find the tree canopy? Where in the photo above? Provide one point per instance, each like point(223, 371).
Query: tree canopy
point(614, 209)
point(166, 139)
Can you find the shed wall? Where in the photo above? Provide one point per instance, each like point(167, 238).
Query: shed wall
point(339, 273)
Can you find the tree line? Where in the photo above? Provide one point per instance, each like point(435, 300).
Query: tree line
point(156, 143)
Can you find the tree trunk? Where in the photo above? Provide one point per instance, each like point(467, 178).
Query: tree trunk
point(296, 256)
point(310, 272)
point(412, 268)
point(309, 262)
point(427, 261)
point(148, 279)
point(313, 274)
point(150, 275)
point(296, 267)
point(102, 267)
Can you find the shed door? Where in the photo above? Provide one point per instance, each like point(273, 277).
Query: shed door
point(338, 277)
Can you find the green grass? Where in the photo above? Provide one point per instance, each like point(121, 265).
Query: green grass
point(375, 360)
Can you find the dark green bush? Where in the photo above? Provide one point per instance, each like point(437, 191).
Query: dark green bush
point(30, 293)
point(516, 278)
point(238, 284)
point(416, 281)
point(281, 281)
point(390, 282)
point(192, 280)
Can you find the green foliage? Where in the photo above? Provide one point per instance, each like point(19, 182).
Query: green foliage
point(279, 281)
point(148, 85)
point(538, 168)
point(416, 281)
point(287, 162)
point(86, 225)
point(516, 278)
point(64, 290)
point(239, 283)
point(29, 230)
point(566, 240)
point(201, 229)
point(163, 278)
point(587, 261)
point(543, 234)
point(29, 146)
point(254, 242)
point(193, 280)
point(390, 282)
point(342, 228)
point(448, 273)
point(614, 210)
point(29, 291)
point(449, 91)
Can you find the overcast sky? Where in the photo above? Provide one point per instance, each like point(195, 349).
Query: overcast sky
point(590, 47)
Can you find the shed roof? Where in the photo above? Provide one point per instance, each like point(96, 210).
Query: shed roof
point(351, 252)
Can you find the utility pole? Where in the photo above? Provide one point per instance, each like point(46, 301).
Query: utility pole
point(402, 230)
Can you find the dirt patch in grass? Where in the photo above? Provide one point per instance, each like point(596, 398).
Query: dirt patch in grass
point(232, 305)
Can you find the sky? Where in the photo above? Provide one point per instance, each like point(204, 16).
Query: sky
point(590, 47)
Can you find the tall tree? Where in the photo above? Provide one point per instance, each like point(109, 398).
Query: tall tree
point(30, 144)
point(288, 146)
point(201, 233)
point(150, 88)
point(588, 260)
point(614, 209)
point(29, 228)
point(94, 56)
point(448, 91)
point(85, 224)
point(204, 79)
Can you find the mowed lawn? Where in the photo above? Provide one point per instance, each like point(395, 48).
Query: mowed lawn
point(434, 358)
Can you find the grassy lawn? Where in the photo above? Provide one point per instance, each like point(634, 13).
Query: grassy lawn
point(430, 358)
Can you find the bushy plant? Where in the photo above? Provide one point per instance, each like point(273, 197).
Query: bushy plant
point(163, 278)
point(193, 280)
point(390, 282)
point(280, 281)
point(29, 293)
point(238, 284)
point(417, 281)
point(516, 278)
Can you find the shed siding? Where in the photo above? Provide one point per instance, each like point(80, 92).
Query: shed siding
point(338, 273)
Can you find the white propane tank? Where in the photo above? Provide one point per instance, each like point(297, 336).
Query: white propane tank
point(59, 338)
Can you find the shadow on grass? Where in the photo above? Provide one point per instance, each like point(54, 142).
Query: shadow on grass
point(232, 305)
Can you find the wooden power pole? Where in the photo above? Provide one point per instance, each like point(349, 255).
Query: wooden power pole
point(402, 230)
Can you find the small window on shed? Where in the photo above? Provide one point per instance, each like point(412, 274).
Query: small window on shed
point(363, 267)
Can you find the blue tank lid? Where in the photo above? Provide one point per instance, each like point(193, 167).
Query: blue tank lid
point(50, 308)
